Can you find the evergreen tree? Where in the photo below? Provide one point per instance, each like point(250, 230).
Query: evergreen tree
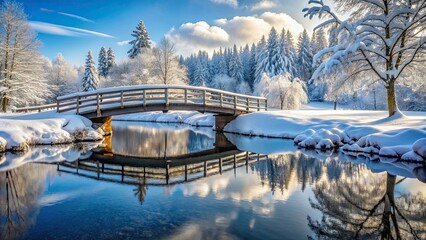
point(90, 79)
point(305, 57)
point(292, 52)
point(235, 66)
point(140, 42)
point(271, 60)
point(245, 61)
point(110, 59)
point(319, 41)
point(103, 63)
point(285, 53)
point(261, 54)
point(252, 65)
point(223, 67)
point(200, 74)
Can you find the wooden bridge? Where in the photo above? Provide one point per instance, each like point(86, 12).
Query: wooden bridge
point(101, 104)
point(159, 171)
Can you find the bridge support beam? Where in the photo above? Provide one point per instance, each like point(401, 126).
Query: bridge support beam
point(222, 120)
point(103, 123)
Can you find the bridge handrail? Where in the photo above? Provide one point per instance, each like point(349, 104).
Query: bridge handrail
point(150, 87)
point(118, 97)
point(39, 108)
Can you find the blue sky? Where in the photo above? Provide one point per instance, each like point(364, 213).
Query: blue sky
point(64, 25)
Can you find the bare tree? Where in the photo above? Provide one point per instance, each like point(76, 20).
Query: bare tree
point(21, 78)
point(167, 64)
point(381, 37)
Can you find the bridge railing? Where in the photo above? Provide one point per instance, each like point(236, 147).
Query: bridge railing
point(121, 97)
point(40, 108)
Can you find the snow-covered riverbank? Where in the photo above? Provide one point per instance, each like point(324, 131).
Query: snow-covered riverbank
point(358, 131)
point(401, 136)
point(19, 131)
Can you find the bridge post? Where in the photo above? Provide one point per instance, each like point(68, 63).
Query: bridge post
point(103, 123)
point(222, 120)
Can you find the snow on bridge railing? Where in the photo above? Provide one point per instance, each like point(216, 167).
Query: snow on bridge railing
point(145, 95)
point(40, 108)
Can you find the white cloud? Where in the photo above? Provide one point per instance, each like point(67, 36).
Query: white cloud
point(68, 15)
point(232, 3)
point(64, 30)
point(240, 30)
point(190, 37)
point(263, 4)
point(123, 43)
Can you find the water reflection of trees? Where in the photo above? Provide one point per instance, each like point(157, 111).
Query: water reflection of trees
point(354, 202)
point(282, 169)
point(140, 140)
point(141, 190)
point(20, 189)
point(363, 204)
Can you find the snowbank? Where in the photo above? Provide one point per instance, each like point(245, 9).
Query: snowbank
point(356, 131)
point(191, 118)
point(19, 131)
point(46, 154)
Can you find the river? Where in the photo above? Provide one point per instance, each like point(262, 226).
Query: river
point(171, 181)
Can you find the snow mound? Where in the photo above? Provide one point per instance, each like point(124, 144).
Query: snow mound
point(19, 132)
point(419, 147)
point(321, 139)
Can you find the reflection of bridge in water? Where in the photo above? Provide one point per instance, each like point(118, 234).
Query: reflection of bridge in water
point(159, 171)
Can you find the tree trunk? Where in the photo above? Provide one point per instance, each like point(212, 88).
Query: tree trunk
point(4, 103)
point(392, 105)
point(335, 105)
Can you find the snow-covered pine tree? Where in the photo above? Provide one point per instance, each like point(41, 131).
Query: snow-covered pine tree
point(261, 55)
point(235, 66)
point(140, 42)
point(271, 61)
point(223, 67)
point(286, 53)
point(304, 58)
point(200, 74)
point(103, 63)
point(110, 60)
point(90, 79)
point(319, 41)
point(245, 61)
point(252, 66)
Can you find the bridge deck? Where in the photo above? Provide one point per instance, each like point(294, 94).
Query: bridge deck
point(132, 99)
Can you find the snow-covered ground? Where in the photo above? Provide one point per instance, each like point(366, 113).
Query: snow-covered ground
point(190, 118)
point(19, 131)
point(359, 131)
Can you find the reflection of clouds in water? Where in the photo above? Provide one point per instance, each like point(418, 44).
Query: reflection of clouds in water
point(141, 139)
point(212, 228)
point(245, 188)
point(56, 198)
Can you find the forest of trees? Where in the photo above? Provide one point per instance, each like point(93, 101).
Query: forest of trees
point(336, 63)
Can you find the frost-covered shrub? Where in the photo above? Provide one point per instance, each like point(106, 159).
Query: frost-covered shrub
point(282, 91)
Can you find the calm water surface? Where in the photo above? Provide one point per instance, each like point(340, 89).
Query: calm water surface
point(165, 181)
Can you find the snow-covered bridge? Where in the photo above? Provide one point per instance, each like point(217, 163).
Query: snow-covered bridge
point(101, 104)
